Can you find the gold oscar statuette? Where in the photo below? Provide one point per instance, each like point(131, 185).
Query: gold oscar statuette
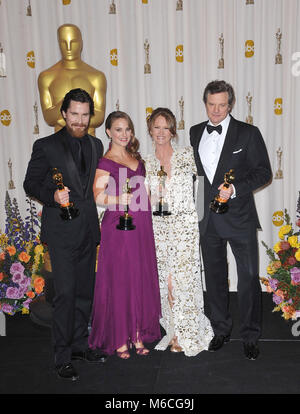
point(220, 205)
point(249, 2)
point(68, 211)
point(179, 5)
point(112, 8)
point(28, 10)
point(181, 122)
point(221, 60)
point(125, 222)
point(36, 129)
point(11, 185)
point(147, 66)
point(2, 63)
point(162, 208)
point(249, 118)
point(278, 57)
point(279, 172)
point(71, 72)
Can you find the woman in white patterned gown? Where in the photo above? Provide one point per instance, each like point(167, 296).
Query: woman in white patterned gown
point(177, 240)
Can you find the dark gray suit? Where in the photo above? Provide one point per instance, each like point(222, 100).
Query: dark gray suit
point(244, 151)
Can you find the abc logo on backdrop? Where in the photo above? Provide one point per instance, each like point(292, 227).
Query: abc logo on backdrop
point(278, 106)
point(114, 57)
point(5, 117)
point(149, 111)
point(249, 48)
point(30, 58)
point(277, 218)
point(179, 53)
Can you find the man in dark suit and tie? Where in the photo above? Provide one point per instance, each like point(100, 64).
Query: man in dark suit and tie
point(72, 242)
point(220, 144)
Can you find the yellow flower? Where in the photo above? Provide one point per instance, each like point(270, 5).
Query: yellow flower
point(297, 255)
point(33, 277)
point(25, 310)
point(39, 249)
point(3, 241)
point(28, 246)
point(276, 264)
point(277, 247)
point(270, 270)
point(293, 240)
point(284, 230)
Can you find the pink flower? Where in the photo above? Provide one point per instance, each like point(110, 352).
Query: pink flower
point(25, 282)
point(26, 303)
point(295, 275)
point(277, 299)
point(7, 308)
point(18, 278)
point(16, 267)
point(291, 261)
point(284, 245)
point(13, 293)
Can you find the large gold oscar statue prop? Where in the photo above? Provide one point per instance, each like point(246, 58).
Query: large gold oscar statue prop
point(70, 73)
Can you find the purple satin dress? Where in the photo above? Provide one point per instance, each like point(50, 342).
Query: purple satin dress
point(126, 296)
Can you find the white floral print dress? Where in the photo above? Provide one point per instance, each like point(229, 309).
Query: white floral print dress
point(177, 250)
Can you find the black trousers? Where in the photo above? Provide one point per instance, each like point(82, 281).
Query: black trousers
point(245, 250)
point(73, 269)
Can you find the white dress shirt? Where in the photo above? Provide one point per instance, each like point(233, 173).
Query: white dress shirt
point(210, 148)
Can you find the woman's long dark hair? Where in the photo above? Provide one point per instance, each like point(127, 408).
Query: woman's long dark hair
point(134, 144)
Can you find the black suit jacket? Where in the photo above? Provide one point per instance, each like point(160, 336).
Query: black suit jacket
point(54, 152)
point(244, 150)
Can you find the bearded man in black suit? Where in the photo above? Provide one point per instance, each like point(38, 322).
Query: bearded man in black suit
point(220, 144)
point(72, 243)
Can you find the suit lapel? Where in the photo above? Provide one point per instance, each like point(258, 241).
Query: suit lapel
point(197, 156)
point(92, 166)
point(226, 153)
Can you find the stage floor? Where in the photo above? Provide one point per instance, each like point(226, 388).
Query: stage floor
point(26, 365)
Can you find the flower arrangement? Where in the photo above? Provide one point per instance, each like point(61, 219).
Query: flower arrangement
point(21, 258)
point(284, 270)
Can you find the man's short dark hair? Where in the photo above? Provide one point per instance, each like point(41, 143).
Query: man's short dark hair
point(78, 95)
point(218, 86)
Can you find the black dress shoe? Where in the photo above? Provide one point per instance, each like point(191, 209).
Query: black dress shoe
point(89, 356)
point(67, 372)
point(217, 342)
point(251, 350)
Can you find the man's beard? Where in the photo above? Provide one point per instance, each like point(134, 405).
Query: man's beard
point(76, 132)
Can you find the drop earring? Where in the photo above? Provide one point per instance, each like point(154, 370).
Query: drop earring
point(153, 145)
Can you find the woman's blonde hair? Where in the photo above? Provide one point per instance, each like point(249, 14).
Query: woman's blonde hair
point(169, 117)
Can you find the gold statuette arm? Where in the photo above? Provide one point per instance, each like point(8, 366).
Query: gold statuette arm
point(51, 112)
point(99, 99)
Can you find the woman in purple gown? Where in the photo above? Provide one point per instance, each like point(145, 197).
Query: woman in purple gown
point(126, 307)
